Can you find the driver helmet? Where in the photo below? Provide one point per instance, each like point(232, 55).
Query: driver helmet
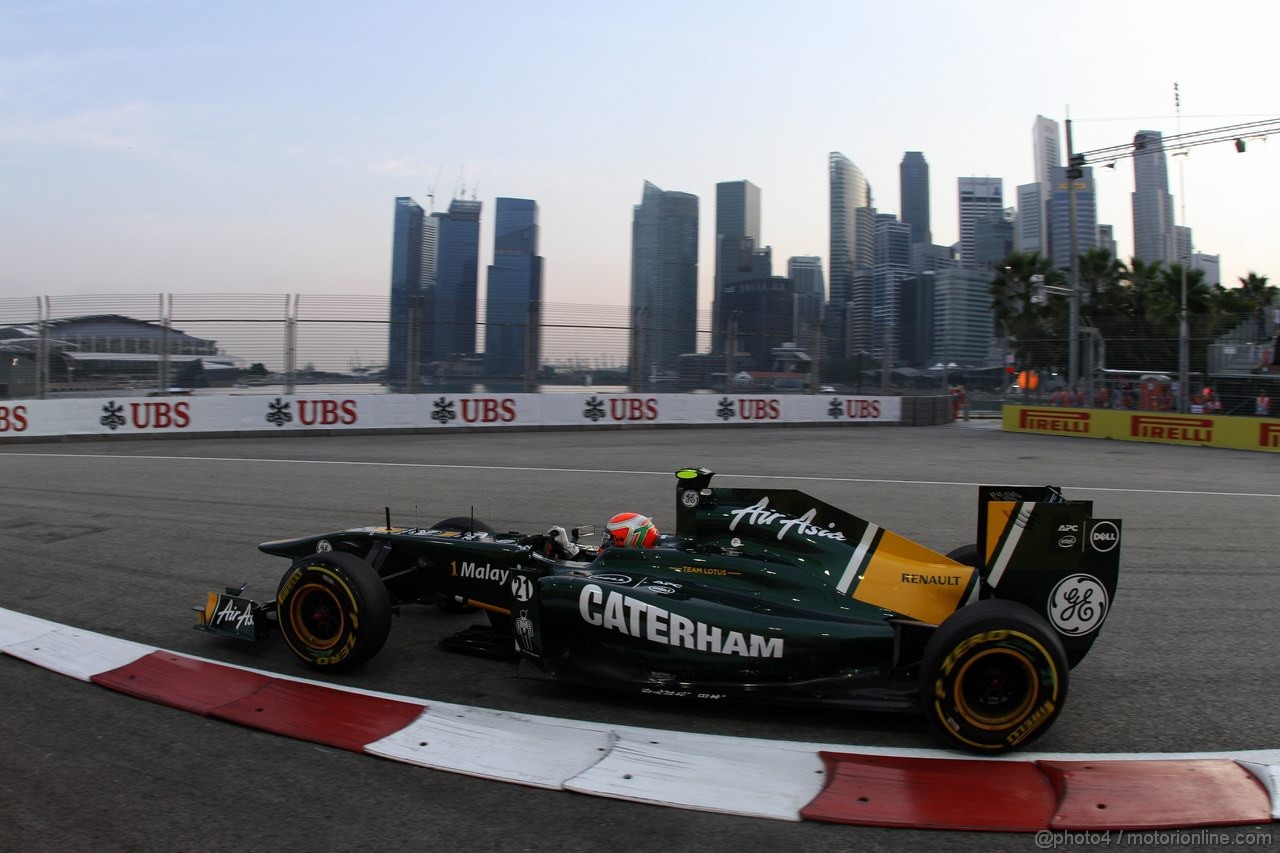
point(629, 530)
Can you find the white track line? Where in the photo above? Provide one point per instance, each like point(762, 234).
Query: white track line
point(616, 472)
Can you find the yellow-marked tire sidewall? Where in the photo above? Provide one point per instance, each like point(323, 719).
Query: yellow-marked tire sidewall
point(349, 587)
point(1023, 649)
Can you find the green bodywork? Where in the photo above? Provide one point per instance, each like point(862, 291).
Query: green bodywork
point(761, 594)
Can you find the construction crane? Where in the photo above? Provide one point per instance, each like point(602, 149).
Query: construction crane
point(431, 191)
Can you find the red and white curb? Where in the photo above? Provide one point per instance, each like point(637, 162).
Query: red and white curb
point(918, 788)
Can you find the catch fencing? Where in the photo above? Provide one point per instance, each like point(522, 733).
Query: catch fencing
point(112, 345)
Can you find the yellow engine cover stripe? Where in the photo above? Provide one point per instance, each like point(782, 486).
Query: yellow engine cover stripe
point(913, 580)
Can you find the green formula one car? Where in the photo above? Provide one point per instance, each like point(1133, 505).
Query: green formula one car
point(764, 595)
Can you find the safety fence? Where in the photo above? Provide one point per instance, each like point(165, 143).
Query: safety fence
point(54, 347)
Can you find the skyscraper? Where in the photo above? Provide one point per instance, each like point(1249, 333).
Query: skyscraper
point(737, 246)
point(852, 256)
point(1029, 232)
point(766, 318)
point(811, 292)
point(664, 280)
point(1153, 238)
point(930, 257)
point(850, 192)
point(1210, 265)
point(979, 198)
point(513, 304)
point(1107, 239)
point(993, 239)
point(1182, 245)
point(457, 270)
point(892, 267)
point(913, 182)
point(962, 316)
point(915, 311)
point(1032, 225)
point(409, 283)
point(806, 272)
point(1060, 217)
point(1047, 145)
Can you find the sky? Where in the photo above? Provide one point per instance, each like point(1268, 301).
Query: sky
point(151, 146)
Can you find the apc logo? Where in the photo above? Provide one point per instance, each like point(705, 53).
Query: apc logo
point(1105, 536)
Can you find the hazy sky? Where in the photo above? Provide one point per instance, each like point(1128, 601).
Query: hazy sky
point(229, 147)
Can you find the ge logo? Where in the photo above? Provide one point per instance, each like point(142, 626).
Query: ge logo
point(689, 498)
point(521, 588)
point(1078, 605)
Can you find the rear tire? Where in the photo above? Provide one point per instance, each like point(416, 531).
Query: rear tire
point(966, 555)
point(993, 678)
point(334, 611)
point(463, 522)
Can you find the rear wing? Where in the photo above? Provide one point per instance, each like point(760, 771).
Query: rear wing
point(1049, 553)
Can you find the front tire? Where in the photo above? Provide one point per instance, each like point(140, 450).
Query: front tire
point(334, 611)
point(993, 678)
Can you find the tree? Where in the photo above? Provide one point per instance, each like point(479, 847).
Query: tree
point(1199, 296)
point(1135, 328)
point(1034, 328)
point(1135, 307)
point(1201, 309)
point(1100, 278)
point(1258, 295)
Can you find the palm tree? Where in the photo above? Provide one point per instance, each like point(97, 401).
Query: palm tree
point(1026, 319)
point(1136, 312)
point(1199, 294)
point(1201, 307)
point(1259, 295)
point(1100, 277)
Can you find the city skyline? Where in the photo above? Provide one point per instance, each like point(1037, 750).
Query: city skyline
point(211, 156)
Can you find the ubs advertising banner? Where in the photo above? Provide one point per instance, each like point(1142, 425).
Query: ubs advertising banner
point(263, 413)
point(1239, 433)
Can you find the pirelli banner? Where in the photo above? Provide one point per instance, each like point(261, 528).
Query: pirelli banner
point(231, 413)
point(1208, 430)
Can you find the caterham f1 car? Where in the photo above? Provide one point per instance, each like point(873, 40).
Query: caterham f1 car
point(765, 595)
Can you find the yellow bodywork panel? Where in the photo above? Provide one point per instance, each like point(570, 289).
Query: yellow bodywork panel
point(205, 617)
point(998, 515)
point(912, 580)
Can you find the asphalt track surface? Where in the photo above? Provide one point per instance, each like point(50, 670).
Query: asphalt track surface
point(124, 538)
